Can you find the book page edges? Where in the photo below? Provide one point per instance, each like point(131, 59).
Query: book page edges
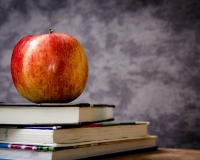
point(95, 114)
point(84, 143)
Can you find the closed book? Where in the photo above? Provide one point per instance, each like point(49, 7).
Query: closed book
point(53, 113)
point(77, 150)
point(84, 133)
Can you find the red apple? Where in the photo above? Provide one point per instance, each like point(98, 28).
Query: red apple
point(49, 68)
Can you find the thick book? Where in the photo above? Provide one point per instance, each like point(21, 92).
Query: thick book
point(77, 150)
point(60, 134)
point(54, 113)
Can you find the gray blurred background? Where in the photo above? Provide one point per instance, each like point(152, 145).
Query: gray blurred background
point(144, 57)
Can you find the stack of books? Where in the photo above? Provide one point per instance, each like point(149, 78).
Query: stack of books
point(61, 131)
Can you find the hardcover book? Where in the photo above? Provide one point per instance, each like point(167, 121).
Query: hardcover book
point(54, 113)
point(77, 150)
point(61, 134)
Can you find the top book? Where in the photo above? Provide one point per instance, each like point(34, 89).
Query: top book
point(54, 113)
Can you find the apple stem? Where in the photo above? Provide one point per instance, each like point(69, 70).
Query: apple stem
point(50, 30)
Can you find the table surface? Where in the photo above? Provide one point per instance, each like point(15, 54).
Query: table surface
point(161, 154)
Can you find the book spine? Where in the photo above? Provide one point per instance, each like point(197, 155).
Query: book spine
point(26, 147)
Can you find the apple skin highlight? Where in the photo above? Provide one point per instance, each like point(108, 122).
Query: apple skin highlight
point(49, 68)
